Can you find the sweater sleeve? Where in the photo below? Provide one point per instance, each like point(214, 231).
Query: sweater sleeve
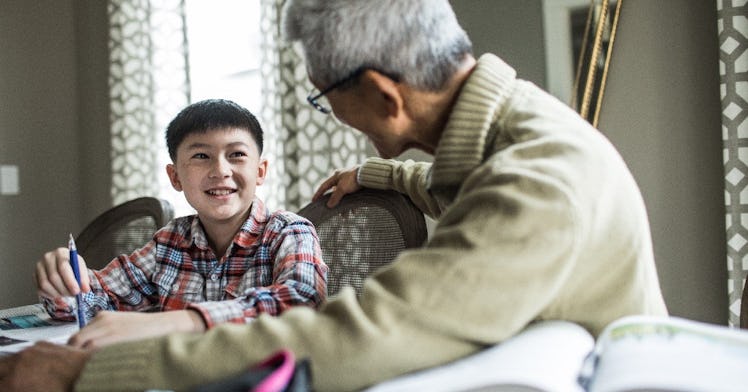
point(408, 177)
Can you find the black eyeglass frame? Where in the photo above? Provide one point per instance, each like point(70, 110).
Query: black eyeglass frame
point(313, 98)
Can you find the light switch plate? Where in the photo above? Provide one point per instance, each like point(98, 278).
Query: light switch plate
point(9, 180)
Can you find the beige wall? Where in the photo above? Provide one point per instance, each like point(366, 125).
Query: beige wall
point(662, 111)
point(53, 125)
point(38, 117)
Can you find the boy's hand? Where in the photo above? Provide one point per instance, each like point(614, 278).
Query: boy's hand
point(54, 275)
point(342, 182)
point(42, 367)
point(115, 327)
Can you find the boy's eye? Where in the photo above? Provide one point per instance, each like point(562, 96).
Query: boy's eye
point(238, 154)
point(200, 155)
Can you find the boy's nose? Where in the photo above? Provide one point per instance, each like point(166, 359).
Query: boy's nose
point(220, 168)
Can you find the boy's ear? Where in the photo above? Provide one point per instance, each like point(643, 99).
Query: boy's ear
point(262, 169)
point(171, 171)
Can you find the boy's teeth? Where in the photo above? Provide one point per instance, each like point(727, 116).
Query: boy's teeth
point(222, 192)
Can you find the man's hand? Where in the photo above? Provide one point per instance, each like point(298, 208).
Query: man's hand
point(54, 275)
point(342, 182)
point(114, 327)
point(42, 367)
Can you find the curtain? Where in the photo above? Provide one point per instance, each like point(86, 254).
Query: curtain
point(308, 145)
point(733, 43)
point(148, 83)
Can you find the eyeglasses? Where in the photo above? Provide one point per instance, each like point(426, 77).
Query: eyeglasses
point(319, 101)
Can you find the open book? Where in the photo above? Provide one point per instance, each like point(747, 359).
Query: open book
point(635, 353)
point(22, 326)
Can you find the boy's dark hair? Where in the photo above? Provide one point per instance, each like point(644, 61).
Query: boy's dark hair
point(208, 115)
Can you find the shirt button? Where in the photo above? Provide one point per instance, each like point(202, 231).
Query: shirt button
point(175, 287)
point(214, 277)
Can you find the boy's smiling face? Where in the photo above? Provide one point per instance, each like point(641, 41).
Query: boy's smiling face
point(218, 171)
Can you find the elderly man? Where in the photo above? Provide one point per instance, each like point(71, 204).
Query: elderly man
point(538, 217)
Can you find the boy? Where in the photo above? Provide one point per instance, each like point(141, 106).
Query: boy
point(228, 263)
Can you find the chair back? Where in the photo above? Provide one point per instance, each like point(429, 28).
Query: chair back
point(363, 233)
point(122, 229)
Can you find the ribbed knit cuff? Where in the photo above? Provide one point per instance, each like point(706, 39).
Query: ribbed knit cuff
point(376, 173)
point(116, 368)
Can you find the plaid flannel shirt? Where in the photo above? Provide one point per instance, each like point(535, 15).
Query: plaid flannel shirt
point(273, 263)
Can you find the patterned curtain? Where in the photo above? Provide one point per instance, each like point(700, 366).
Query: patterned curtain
point(308, 145)
point(148, 83)
point(733, 42)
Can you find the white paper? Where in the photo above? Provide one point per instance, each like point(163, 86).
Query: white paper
point(29, 324)
point(547, 356)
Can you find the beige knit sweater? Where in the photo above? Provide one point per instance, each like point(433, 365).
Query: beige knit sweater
point(539, 218)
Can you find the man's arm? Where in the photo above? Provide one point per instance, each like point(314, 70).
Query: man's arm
point(408, 177)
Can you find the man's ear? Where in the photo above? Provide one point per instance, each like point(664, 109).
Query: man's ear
point(388, 99)
point(171, 171)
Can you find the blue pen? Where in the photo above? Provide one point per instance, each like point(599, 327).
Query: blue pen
point(77, 273)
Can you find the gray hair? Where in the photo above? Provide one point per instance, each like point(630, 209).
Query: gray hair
point(419, 41)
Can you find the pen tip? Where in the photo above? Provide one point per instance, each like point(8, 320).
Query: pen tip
point(71, 242)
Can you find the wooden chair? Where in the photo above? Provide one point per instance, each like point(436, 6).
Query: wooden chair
point(122, 229)
point(363, 233)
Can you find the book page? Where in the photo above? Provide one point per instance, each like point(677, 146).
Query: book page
point(22, 326)
point(670, 354)
point(546, 356)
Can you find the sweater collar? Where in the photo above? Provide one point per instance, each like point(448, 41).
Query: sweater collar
point(463, 142)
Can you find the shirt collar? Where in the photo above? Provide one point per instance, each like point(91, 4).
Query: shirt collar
point(254, 225)
point(247, 234)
